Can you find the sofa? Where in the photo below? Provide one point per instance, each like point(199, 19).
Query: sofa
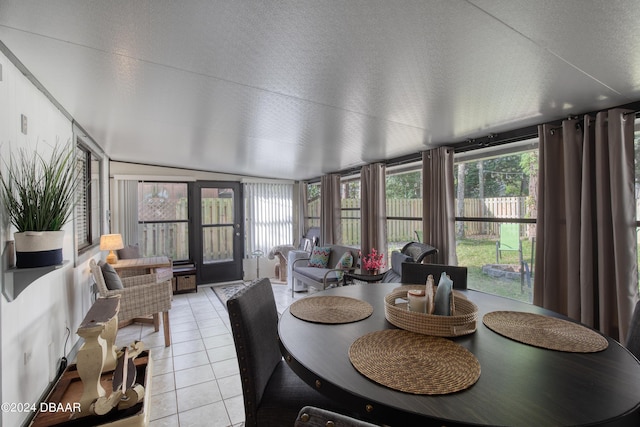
point(331, 274)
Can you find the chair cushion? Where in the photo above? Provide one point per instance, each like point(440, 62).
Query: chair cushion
point(397, 258)
point(129, 252)
point(320, 256)
point(111, 278)
point(317, 274)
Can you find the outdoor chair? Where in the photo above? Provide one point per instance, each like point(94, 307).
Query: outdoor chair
point(140, 296)
point(509, 240)
point(414, 273)
point(310, 416)
point(418, 251)
point(273, 393)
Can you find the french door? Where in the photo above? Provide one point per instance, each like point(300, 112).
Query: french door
point(219, 231)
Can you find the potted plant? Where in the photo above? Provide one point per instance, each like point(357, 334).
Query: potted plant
point(39, 194)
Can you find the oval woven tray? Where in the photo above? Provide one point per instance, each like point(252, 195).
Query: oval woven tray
point(462, 322)
point(545, 332)
point(414, 363)
point(331, 309)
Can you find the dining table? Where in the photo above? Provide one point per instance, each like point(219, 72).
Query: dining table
point(518, 384)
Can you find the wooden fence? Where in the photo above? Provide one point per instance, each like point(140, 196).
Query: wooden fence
point(172, 238)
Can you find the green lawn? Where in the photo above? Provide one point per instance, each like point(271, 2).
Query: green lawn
point(474, 253)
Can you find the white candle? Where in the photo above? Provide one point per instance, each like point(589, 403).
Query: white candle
point(417, 300)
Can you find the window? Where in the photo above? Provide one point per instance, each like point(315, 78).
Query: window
point(163, 219)
point(495, 218)
point(404, 205)
point(88, 210)
point(269, 215)
point(350, 211)
point(312, 217)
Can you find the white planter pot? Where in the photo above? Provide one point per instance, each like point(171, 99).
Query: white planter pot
point(38, 248)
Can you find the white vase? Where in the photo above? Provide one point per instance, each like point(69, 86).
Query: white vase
point(38, 248)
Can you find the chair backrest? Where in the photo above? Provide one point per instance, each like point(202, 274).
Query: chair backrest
point(310, 239)
point(415, 273)
point(310, 416)
point(633, 339)
point(509, 237)
point(254, 324)
point(418, 251)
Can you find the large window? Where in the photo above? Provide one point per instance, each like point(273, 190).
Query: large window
point(404, 205)
point(163, 219)
point(87, 218)
point(495, 219)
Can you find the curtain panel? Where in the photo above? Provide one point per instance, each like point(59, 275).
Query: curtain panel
point(125, 219)
point(373, 209)
point(438, 203)
point(269, 215)
point(330, 210)
point(586, 266)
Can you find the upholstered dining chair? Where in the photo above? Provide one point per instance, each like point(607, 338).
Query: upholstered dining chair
point(140, 296)
point(273, 393)
point(633, 340)
point(310, 416)
point(417, 274)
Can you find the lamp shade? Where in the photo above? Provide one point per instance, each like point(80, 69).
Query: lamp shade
point(111, 242)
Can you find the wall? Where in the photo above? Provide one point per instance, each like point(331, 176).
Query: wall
point(33, 327)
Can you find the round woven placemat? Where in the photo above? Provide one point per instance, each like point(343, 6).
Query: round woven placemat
point(414, 363)
point(331, 309)
point(544, 331)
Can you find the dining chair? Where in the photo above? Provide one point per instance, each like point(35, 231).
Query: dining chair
point(414, 273)
point(273, 393)
point(310, 416)
point(633, 340)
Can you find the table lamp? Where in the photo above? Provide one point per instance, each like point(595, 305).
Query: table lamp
point(111, 242)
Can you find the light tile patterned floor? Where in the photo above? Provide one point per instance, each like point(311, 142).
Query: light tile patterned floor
point(195, 380)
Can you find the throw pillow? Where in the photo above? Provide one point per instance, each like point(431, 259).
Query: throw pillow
point(129, 252)
point(345, 261)
point(320, 257)
point(442, 301)
point(111, 278)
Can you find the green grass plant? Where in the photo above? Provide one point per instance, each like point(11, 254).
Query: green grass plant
point(39, 193)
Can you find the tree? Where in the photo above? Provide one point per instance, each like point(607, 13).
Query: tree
point(404, 185)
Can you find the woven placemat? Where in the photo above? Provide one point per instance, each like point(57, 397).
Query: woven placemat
point(331, 309)
point(544, 331)
point(414, 363)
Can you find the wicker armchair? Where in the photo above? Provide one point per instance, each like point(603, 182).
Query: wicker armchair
point(141, 296)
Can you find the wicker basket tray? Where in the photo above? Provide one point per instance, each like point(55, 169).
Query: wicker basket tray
point(462, 322)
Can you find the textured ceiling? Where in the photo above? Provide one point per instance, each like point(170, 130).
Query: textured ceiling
point(296, 89)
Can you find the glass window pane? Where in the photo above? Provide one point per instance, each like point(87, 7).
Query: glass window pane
point(217, 206)
point(168, 239)
point(494, 271)
point(401, 232)
point(217, 244)
point(162, 201)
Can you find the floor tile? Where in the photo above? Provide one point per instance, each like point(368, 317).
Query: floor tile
point(190, 360)
point(170, 421)
point(230, 386)
point(212, 415)
point(163, 405)
point(192, 376)
point(225, 368)
point(235, 409)
point(187, 347)
point(198, 395)
point(162, 383)
point(218, 354)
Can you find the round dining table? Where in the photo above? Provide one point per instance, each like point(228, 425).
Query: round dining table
point(519, 384)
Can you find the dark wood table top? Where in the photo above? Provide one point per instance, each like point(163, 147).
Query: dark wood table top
point(519, 385)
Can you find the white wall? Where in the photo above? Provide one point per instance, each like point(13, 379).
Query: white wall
point(33, 327)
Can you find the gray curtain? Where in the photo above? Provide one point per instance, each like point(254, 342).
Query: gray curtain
point(330, 224)
point(586, 266)
point(438, 204)
point(373, 209)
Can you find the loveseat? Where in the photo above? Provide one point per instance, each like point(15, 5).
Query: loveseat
point(331, 274)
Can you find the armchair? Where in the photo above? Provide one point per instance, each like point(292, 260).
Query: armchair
point(139, 296)
point(307, 242)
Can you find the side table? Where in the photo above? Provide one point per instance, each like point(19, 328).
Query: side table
point(362, 276)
